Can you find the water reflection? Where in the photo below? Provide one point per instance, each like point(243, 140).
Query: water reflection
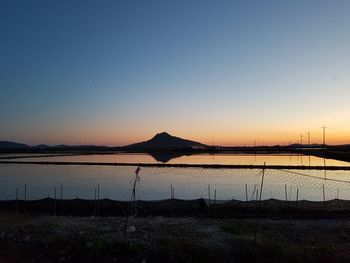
point(165, 157)
point(206, 158)
point(188, 183)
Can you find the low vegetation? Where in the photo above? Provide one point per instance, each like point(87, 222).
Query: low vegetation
point(25, 238)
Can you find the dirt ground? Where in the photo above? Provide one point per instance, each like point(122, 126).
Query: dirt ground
point(28, 238)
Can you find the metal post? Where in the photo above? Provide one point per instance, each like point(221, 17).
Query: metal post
point(262, 183)
point(98, 198)
point(297, 195)
point(61, 208)
point(95, 199)
point(258, 205)
point(285, 191)
point(309, 145)
point(324, 136)
point(324, 195)
point(208, 194)
point(54, 203)
point(17, 200)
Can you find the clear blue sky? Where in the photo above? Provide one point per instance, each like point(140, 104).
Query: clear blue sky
point(114, 72)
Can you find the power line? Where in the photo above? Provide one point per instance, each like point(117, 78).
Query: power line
point(324, 136)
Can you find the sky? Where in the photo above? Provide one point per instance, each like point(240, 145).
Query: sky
point(220, 72)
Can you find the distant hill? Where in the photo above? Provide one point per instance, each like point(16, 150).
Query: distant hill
point(67, 146)
point(298, 145)
point(12, 145)
point(165, 141)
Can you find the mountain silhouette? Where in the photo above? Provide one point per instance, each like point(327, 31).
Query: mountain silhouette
point(166, 156)
point(165, 141)
point(12, 145)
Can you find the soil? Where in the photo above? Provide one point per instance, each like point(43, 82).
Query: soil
point(33, 238)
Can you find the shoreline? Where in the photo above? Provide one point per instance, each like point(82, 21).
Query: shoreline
point(216, 166)
point(271, 208)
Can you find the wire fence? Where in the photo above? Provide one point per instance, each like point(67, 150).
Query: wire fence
point(278, 210)
point(192, 183)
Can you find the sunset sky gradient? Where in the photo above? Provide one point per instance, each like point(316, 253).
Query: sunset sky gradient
point(222, 72)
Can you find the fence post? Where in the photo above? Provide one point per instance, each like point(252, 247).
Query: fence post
point(246, 193)
point(285, 191)
point(17, 200)
point(297, 194)
point(262, 182)
point(98, 198)
point(172, 192)
point(208, 195)
point(54, 203)
point(258, 205)
point(254, 193)
point(324, 195)
point(132, 203)
point(25, 197)
point(95, 199)
point(61, 205)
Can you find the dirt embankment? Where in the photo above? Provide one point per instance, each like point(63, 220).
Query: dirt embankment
point(271, 208)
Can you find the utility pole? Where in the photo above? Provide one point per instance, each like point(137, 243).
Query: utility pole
point(301, 139)
point(324, 136)
point(309, 145)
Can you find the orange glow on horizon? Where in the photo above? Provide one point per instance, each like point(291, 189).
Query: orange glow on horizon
point(224, 139)
point(222, 133)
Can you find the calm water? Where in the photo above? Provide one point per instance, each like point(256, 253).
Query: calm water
point(281, 159)
point(189, 183)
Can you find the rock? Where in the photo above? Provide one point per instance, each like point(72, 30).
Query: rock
point(131, 229)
